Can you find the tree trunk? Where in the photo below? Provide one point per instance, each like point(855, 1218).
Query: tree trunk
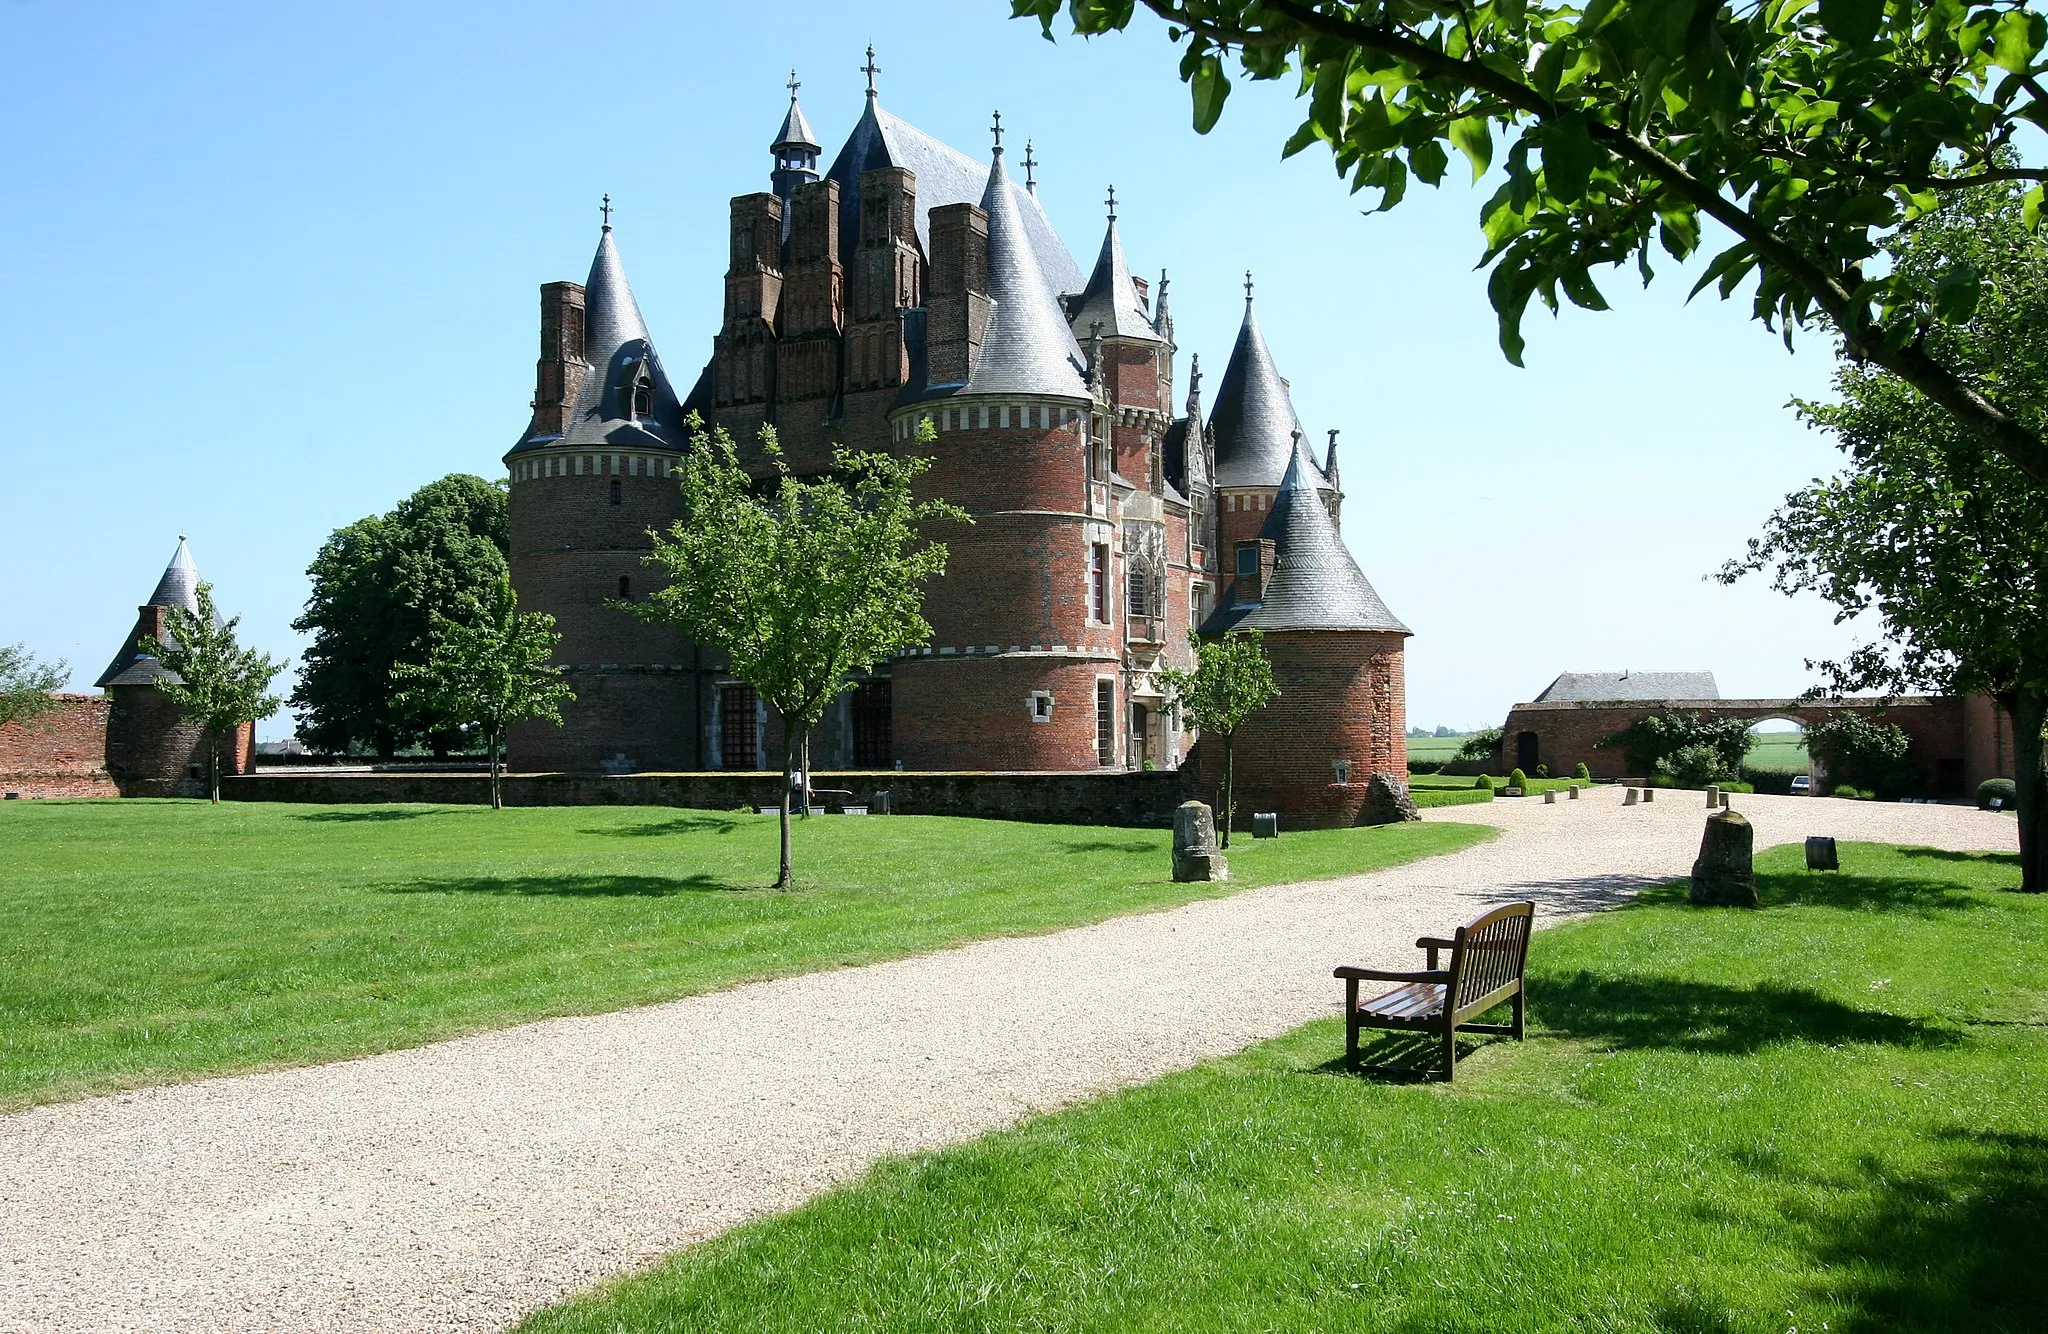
point(1229, 782)
point(213, 766)
point(2029, 710)
point(804, 768)
point(496, 743)
point(789, 750)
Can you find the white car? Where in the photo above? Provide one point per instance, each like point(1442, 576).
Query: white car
point(1802, 785)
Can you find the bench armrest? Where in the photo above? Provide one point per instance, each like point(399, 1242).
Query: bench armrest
point(1437, 976)
point(1433, 944)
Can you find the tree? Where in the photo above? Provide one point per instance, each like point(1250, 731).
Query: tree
point(1808, 134)
point(1482, 747)
point(1657, 744)
point(1864, 754)
point(26, 685)
point(1231, 681)
point(377, 586)
point(486, 670)
point(800, 581)
point(214, 680)
point(1926, 527)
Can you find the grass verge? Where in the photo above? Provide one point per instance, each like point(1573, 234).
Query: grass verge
point(150, 941)
point(1828, 1115)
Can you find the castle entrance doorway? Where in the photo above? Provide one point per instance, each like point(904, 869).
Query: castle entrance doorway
point(873, 741)
point(1141, 735)
point(1526, 752)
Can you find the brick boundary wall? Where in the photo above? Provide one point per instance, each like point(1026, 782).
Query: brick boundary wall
point(1115, 797)
point(61, 754)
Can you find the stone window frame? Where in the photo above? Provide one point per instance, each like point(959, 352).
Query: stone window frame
point(1040, 704)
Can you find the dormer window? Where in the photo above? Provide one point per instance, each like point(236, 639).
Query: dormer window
point(643, 395)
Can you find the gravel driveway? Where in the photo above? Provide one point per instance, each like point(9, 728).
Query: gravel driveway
point(460, 1185)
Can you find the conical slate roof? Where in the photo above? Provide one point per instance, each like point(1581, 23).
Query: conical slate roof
point(1315, 584)
point(1111, 298)
point(1253, 424)
point(616, 345)
point(1027, 347)
point(135, 666)
point(795, 131)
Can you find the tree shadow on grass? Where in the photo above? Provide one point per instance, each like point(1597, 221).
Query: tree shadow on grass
point(568, 886)
point(1955, 1245)
point(694, 822)
point(1073, 846)
point(1860, 893)
point(370, 817)
point(1629, 1011)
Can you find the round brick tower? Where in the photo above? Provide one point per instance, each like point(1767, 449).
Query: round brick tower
point(153, 750)
point(1336, 650)
point(589, 477)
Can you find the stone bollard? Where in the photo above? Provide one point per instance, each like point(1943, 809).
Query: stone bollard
point(1649, 793)
point(1724, 877)
point(1265, 824)
point(1550, 799)
point(1628, 796)
point(1724, 801)
point(1573, 792)
point(1195, 854)
point(1821, 854)
point(880, 804)
point(1713, 798)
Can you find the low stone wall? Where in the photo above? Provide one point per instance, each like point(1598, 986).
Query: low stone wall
point(1096, 797)
point(60, 754)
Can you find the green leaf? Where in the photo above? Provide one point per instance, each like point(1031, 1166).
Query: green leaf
point(1428, 160)
point(2030, 212)
point(1509, 288)
point(1210, 87)
point(1956, 293)
point(1852, 22)
point(1578, 285)
point(1567, 156)
point(2016, 38)
point(1308, 134)
point(1473, 136)
point(1327, 104)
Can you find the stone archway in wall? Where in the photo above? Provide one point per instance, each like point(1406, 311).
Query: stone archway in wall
point(1777, 752)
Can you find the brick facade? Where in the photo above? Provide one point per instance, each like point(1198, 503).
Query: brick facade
point(60, 754)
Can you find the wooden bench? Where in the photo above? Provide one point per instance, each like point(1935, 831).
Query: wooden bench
point(1487, 958)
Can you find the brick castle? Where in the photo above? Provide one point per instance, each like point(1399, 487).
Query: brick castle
point(908, 282)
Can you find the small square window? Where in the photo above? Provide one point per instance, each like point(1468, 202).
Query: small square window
point(1343, 768)
point(1247, 561)
point(1041, 706)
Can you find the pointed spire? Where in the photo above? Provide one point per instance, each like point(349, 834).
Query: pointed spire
point(180, 585)
point(611, 316)
point(795, 133)
point(1330, 460)
point(1253, 423)
point(1111, 298)
point(1026, 347)
point(1316, 585)
point(1195, 385)
point(134, 665)
point(1162, 317)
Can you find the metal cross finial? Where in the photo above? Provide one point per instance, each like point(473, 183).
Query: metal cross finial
point(793, 85)
point(1247, 287)
point(998, 129)
point(606, 209)
point(1030, 167)
point(871, 69)
point(1112, 203)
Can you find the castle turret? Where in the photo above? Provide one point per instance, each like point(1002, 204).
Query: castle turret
point(589, 478)
point(1252, 430)
point(1337, 655)
point(796, 151)
point(153, 750)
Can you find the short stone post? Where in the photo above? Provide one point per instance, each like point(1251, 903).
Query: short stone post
point(1195, 854)
point(1724, 801)
point(1713, 798)
point(1628, 796)
point(1724, 877)
point(1573, 792)
point(1649, 793)
point(1821, 854)
point(1387, 801)
point(1550, 799)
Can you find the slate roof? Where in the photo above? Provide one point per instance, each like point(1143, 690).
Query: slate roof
point(1111, 297)
point(615, 344)
point(1316, 585)
point(1026, 347)
point(1624, 687)
point(945, 175)
point(179, 587)
point(1253, 423)
point(795, 131)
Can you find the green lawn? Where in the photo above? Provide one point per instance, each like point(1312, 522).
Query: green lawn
point(1828, 1115)
point(144, 941)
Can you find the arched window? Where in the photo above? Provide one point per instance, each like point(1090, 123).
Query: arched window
point(643, 395)
point(625, 588)
point(615, 490)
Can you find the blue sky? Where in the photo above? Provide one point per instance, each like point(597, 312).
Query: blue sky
point(267, 268)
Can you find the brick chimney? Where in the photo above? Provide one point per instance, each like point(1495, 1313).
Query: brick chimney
point(1251, 584)
point(558, 375)
point(957, 302)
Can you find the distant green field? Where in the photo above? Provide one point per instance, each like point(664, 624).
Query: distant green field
point(1779, 752)
point(1434, 749)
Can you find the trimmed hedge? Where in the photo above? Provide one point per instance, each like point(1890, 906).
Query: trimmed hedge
point(1449, 796)
point(2004, 789)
